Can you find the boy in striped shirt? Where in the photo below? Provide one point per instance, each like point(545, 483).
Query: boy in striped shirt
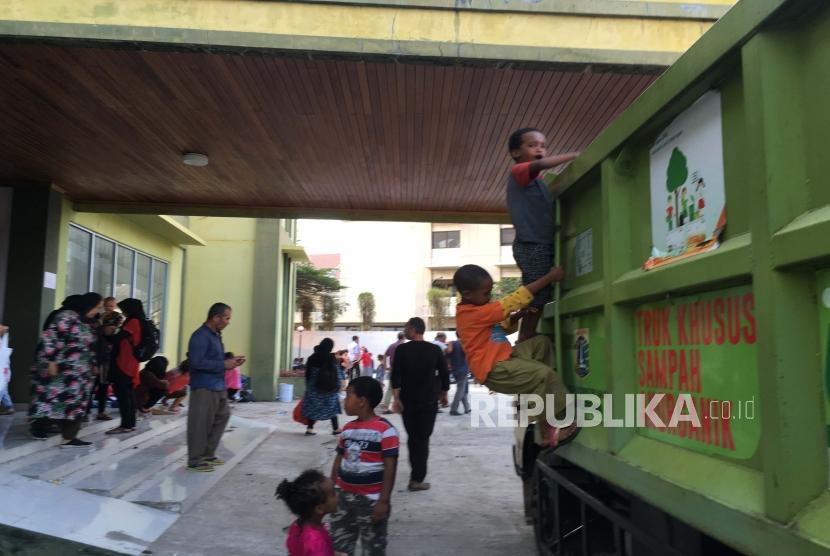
point(364, 471)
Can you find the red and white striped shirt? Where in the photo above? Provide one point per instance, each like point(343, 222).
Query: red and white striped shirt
point(363, 445)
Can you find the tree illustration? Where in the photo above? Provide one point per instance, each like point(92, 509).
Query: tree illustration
point(676, 175)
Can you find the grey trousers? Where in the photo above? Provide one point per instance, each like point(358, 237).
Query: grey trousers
point(207, 418)
point(462, 395)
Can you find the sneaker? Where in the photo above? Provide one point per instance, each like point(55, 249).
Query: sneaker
point(467, 411)
point(200, 467)
point(76, 443)
point(36, 437)
point(214, 461)
point(456, 413)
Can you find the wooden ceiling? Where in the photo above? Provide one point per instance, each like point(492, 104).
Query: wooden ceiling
point(109, 126)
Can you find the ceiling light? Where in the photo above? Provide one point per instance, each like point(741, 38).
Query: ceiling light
point(195, 159)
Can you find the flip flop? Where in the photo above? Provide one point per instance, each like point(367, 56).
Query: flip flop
point(554, 440)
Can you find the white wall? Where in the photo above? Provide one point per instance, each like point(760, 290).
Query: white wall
point(376, 341)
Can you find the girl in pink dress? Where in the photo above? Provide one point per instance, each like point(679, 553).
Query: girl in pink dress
point(233, 380)
point(310, 496)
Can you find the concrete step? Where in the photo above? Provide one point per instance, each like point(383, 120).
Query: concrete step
point(52, 463)
point(119, 495)
point(174, 488)
point(52, 514)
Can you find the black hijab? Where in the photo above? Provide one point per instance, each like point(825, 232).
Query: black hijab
point(68, 303)
point(157, 366)
point(323, 360)
point(82, 304)
point(132, 308)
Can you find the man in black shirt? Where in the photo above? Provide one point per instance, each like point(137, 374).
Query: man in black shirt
point(417, 363)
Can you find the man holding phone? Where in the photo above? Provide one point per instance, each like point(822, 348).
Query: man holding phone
point(209, 411)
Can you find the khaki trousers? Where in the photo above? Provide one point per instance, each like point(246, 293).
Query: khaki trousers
point(207, 418)
point(530, 370)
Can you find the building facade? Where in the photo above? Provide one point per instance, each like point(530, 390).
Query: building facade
point(177, 266)
point(399, 262)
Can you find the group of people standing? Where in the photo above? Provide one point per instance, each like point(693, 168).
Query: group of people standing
point(418, 373)
point(90, 343)
point(82, 350)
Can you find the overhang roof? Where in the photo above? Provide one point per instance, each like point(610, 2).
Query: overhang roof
point(286, 136)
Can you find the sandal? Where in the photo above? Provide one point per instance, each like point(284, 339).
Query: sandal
point(119, 430)
point(555, 438)
point(310, 433)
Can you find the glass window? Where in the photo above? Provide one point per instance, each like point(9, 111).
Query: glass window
point(77, 263)
point(507, 236)
point(117, 270)
point(159, 285)
point(102, 266)
point(124, 273)
point(446, 240)
point(142, 279)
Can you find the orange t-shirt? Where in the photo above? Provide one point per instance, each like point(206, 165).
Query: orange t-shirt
point(483, 331)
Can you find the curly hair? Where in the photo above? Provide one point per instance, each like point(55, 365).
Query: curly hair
point(303, 494)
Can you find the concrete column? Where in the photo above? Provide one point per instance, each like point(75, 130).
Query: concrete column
point(34, 233)
point(5, 227)
point(263, 364)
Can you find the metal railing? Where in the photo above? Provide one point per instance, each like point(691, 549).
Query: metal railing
point(573, 521)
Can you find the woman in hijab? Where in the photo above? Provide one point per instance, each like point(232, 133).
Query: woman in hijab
point(62, 374)
point(322, 387)
point(124, 374)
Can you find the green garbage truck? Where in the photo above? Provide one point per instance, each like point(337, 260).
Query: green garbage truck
point(693, 324)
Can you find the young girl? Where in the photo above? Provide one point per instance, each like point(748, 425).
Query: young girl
point(310, 496)
point(233, 380)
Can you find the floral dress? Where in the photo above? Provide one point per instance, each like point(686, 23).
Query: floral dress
point(318, 405)
point(68, 341)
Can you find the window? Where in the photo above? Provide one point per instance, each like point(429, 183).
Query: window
point(98, 264)
point(143, 267)
point(77, 264)
point(103, 270)
point(124, 273)
point(446, 240)
point(159, 290)
point(507, 236)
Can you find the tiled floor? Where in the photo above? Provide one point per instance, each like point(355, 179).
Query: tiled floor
point(120, 494)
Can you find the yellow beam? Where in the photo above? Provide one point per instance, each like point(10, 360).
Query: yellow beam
point(376, 29)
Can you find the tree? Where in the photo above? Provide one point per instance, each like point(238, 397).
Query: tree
point(506, 286)
point(437, 298)
point(332, 307)
point(676, 175)
point(366, 302)
point(312, 284)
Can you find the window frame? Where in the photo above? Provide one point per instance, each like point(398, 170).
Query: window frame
point(501, 236)
point(436, 239)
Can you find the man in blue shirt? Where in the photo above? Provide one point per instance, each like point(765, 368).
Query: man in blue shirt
point(209, 412)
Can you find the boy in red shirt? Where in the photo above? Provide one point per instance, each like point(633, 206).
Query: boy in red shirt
point(364, 471)
point(482, 328)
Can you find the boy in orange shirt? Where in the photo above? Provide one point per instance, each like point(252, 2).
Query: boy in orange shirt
point(483, 326)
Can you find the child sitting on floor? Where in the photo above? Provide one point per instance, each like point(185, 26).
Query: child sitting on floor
point(483, 326)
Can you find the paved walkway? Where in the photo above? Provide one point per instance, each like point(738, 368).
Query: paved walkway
point(474, 507)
